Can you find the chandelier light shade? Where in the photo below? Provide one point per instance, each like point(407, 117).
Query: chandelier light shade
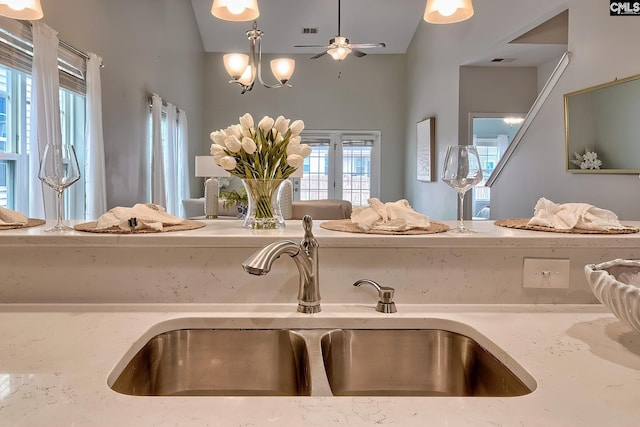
point(282, 69)
point(447, 11)
point(235, 10)
point(244, 70)
point(30, 10)
point(235, 64)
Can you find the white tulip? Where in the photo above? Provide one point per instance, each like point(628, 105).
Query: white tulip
point(234, 130)
point(233, 144)
point(295, 161)
point(297, 127)
point(281, 124)
point(293, 148)
point(295, 140)
point(246, 121)
point(305, 150)
point(228, 163)
point(247, 132)
point(218, 137)
point(266, 124)
point(249, 145)
point(217, 150)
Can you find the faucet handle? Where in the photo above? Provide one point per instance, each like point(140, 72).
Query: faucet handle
point(385, 293)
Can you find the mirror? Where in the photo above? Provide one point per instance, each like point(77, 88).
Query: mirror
point(602, 128)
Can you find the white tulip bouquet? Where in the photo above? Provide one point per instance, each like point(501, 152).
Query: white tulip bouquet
point(272, 150)
point(262, 156)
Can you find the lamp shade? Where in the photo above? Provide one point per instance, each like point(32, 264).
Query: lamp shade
point(207, 167)
point(447, 11)
point(235, 10)
point(235, 64)
point(282, 69)
point(30, 10)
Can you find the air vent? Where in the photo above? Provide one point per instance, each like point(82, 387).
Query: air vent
point(310, 30)
point(503, 59)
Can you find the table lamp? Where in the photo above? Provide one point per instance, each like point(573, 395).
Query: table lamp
point(207, 167)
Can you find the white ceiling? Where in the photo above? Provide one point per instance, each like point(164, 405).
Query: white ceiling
point(362, 21)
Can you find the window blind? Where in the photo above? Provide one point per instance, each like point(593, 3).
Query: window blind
point(16, 51)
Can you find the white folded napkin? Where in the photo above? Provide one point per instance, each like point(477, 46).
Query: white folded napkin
point(9, 217)
point(140, 216)
point(566, 216)
point(391, 216)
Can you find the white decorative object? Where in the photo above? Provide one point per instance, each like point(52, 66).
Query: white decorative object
point(588, 160)
point(206, 167)
point(617, 285)
point(286, 199)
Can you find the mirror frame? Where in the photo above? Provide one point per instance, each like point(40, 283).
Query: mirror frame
point(568, 152)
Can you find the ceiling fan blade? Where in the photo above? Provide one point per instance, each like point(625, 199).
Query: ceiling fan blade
point(367, 45)
point(312, 45)
point(358, 53)
point(319, 55)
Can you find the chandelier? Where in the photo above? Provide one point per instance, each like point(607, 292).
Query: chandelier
point(245, 69)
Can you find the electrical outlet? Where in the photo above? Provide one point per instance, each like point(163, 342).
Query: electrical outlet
point(544, 273)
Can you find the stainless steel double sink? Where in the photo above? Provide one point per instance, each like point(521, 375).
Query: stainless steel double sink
point(354, 361)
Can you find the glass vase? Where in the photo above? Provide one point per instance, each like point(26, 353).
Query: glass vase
point(263, 212)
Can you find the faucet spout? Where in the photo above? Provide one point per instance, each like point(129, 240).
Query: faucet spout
point(305, 256)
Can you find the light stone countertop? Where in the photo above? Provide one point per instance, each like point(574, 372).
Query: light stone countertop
point(55, 361)
point(230, 233)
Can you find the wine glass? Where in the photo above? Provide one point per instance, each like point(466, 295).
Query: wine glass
point(59, 169)
point(461, 172)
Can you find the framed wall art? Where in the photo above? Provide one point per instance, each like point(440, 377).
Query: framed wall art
point(425, 133)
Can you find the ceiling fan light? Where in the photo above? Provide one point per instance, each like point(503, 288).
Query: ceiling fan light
point(447, 11)
point(235, 64)
point(282, 69)
point(21, 9)
point(235, 10)
point(339, 53)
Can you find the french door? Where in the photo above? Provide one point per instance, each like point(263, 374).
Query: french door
point(342, 165)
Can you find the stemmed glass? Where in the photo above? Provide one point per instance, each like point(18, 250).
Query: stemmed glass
point(461, 172)
point(59, 169)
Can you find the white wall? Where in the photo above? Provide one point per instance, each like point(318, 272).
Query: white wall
point(598, 56)
point(147, 46)
point(433, 61)
point(365, 93)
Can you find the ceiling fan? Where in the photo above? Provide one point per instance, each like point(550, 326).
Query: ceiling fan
point(339, 47)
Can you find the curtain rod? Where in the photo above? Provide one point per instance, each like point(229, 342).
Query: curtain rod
point(164, 103)
point(77, 51)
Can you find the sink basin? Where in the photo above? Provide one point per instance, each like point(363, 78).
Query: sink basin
point(218, 362)
point(291, 357)
point(414, 363)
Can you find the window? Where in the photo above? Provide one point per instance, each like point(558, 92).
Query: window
point(15, 116)
point(342, 165)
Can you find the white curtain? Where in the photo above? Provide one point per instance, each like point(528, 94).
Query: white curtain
point(169, 152)
point(170, 166)
point(45, 116)
point(157, 161)
point(183, 161)
point(95, 177)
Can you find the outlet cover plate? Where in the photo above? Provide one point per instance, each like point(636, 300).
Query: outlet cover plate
point(545, 273)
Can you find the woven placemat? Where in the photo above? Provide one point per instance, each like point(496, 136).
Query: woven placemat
point(522, 224)
point(31, 222)
point(348, 226)
point(186, 225)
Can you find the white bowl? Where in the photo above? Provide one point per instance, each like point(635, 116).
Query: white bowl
point(617, 285)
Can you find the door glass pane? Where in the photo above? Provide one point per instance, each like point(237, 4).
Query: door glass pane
point(314, 185)
point(356, 170)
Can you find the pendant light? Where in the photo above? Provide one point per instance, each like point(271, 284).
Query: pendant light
point(447, 11)
point(29, 10)
point(235, 10)
point(244, 69)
